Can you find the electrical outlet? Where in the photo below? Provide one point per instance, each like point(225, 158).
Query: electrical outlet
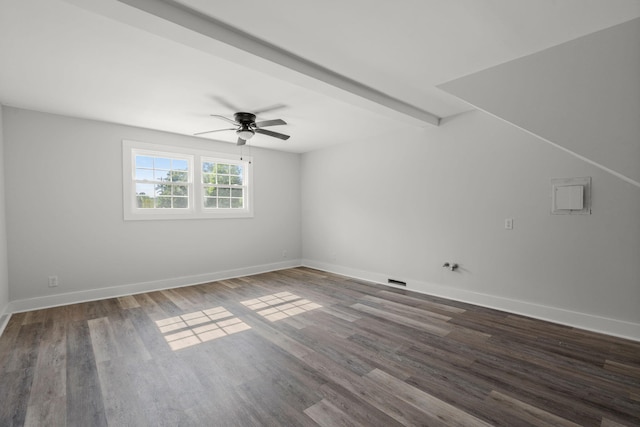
point(284, 253)
point(53, 281)
point(508, 224)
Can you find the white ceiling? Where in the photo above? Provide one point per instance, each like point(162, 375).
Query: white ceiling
point(104, 60)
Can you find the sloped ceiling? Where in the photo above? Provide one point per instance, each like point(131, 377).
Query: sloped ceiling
point(582, 96)
point(108, 60)
point(405, 48)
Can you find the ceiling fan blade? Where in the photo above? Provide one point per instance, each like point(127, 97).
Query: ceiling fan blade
point(211, 131)
point(273, 134)
point(266, 123)
point(220, 100)
point(224, 118)
point(241, 141)
point(271, 108)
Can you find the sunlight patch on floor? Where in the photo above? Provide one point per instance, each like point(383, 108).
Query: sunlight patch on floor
point(280, 306)
point(200, 326)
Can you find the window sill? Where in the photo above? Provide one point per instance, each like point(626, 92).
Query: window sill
point(144, 216)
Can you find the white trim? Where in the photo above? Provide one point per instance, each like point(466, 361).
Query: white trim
point(573, 153)
point(613, 327)
point(604, 325)
point(196, 208)
point(558, 146)
point(4, 324)
point(37, 303)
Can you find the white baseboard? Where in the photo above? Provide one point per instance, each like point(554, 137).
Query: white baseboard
point(5, 316)
point(614, 327)
point(586, 321)
point(36, 303)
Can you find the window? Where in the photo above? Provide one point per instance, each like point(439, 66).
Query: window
point(223, 184)
point(163, 182)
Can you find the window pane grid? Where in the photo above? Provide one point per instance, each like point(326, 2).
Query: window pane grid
point(161, 182)
point(171, 182)
point(222, 185)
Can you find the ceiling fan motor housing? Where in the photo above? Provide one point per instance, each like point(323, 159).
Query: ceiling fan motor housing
point(245, 118)
point(247, 122)
point(247, 127)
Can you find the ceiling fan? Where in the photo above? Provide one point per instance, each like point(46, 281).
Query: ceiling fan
point(246, 127)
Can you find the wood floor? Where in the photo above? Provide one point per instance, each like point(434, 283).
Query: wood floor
point(301, 347)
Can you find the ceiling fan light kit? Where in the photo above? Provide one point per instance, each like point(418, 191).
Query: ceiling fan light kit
point(245, 132)
point(248, 127)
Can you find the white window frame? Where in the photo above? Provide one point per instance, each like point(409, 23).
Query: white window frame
point(195, 158)
point(244, 186)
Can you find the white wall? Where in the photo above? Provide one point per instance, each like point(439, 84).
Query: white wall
point(4, 275)
point(401, 205)
point(583, 95)
point(65, 218)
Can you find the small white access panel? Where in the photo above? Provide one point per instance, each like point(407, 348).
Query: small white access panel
point(570, 196)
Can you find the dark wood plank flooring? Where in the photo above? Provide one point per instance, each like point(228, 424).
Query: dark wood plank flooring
point(301, 347)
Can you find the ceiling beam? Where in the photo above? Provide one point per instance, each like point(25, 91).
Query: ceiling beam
point(210, 27)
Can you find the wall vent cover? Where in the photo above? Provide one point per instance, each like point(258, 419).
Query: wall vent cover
point(571, 196)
